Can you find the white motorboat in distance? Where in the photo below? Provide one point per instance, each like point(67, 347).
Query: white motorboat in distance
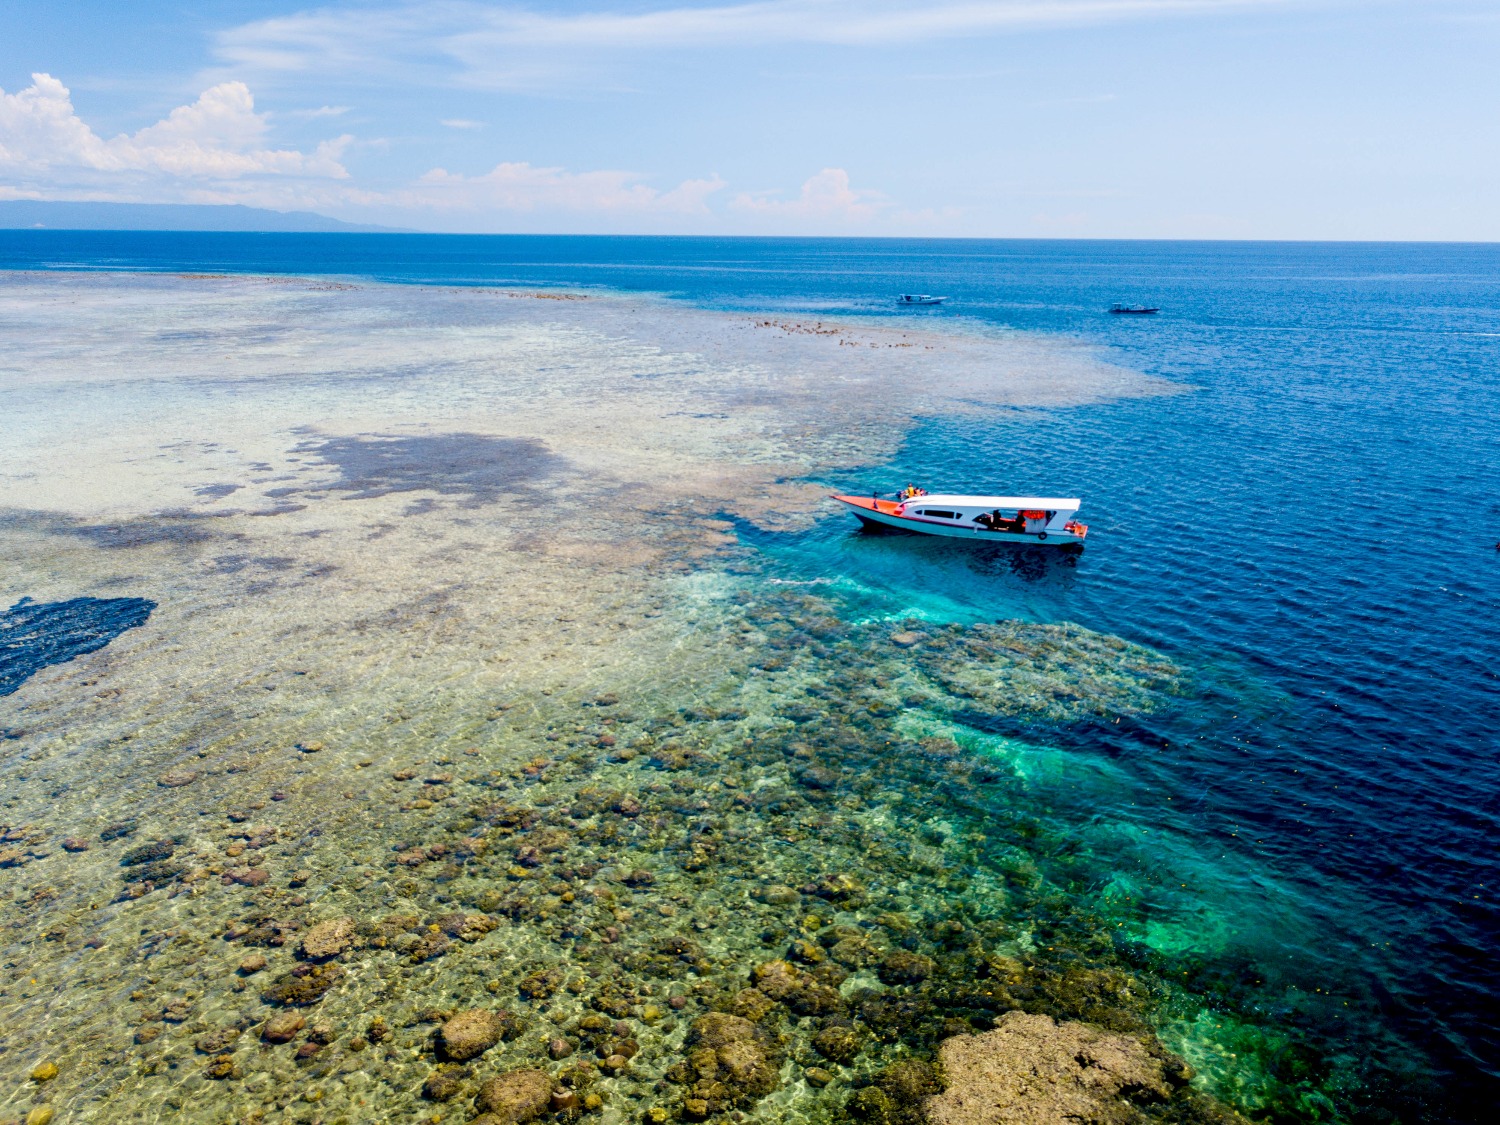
point(996, 519)
point(919, 299)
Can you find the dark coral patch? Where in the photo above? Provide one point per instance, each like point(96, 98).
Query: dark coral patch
point(35, 635)
point(482, 469)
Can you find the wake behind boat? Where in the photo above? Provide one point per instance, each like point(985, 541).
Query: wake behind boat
point(999, 519)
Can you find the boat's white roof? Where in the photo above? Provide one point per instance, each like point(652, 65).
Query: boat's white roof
point(1049, 503)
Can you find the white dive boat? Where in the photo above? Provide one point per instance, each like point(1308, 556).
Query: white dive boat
point(919, 299)
point(995, 519)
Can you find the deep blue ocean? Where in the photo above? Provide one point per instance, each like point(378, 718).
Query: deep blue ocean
point(1312, 527)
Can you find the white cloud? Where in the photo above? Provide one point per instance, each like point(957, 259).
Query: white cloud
point(217, 150)
point(508, 45)
point(461, 123)
point(219, 138)
point(521, 187)
point(321, 111)
point(825, 196)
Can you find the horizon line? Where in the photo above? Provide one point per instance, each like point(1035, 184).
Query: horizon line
point(408, 233)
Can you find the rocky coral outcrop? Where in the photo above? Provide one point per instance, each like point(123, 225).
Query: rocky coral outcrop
point(1061, 672)
point(471, 1033)
point(896, 1095)
point(466, 927)
point(839, 1042)
point(1032, 1070)
point(282, 1028)
point(800, 991)
point(901, 967)
point(328, 939)
point(304, 985)
point(513, 1097)
point(730, 1063)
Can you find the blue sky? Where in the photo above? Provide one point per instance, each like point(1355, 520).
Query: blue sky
point(1088, 118)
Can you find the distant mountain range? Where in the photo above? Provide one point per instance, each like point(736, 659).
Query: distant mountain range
point(46, 214)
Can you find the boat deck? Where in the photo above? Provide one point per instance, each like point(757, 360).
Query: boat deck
point(887, 507)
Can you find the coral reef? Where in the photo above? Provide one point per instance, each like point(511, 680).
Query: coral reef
point(1033, 1070)
point(679, 912)
point(550, 807)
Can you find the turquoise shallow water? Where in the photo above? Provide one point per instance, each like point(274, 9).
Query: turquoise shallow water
point(1308, 832)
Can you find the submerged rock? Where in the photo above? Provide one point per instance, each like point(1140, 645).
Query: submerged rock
point(328, 939)
point(282, 1028)
point(780, 980)
point(163, 871)
point(221, 1067)
point(854, 952)
point(897, 1095)
point(541, 984)
point(901, 967)
point(442, 1085)
point(471, 1033)
point(216, 1041)
point(148, 853)
point(246, 876)
point(514, 1097)
point(799, 991)
point(429, 946)
point(776, 895)
point(839, 1043)
point(467, 927)
point(304, 985)
point(729, 1064)
point(751, 1003)
point(1032, 1070)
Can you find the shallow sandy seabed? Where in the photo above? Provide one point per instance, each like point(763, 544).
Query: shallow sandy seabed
point(454, 639)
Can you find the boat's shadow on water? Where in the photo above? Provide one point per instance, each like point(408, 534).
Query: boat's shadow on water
point(896, 560)
point(1029, 563)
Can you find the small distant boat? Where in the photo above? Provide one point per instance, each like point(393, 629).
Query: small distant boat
point(998, 519)
point(1133, 310)
point(919, 299)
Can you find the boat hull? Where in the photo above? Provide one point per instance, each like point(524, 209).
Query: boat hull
point(878, 514)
